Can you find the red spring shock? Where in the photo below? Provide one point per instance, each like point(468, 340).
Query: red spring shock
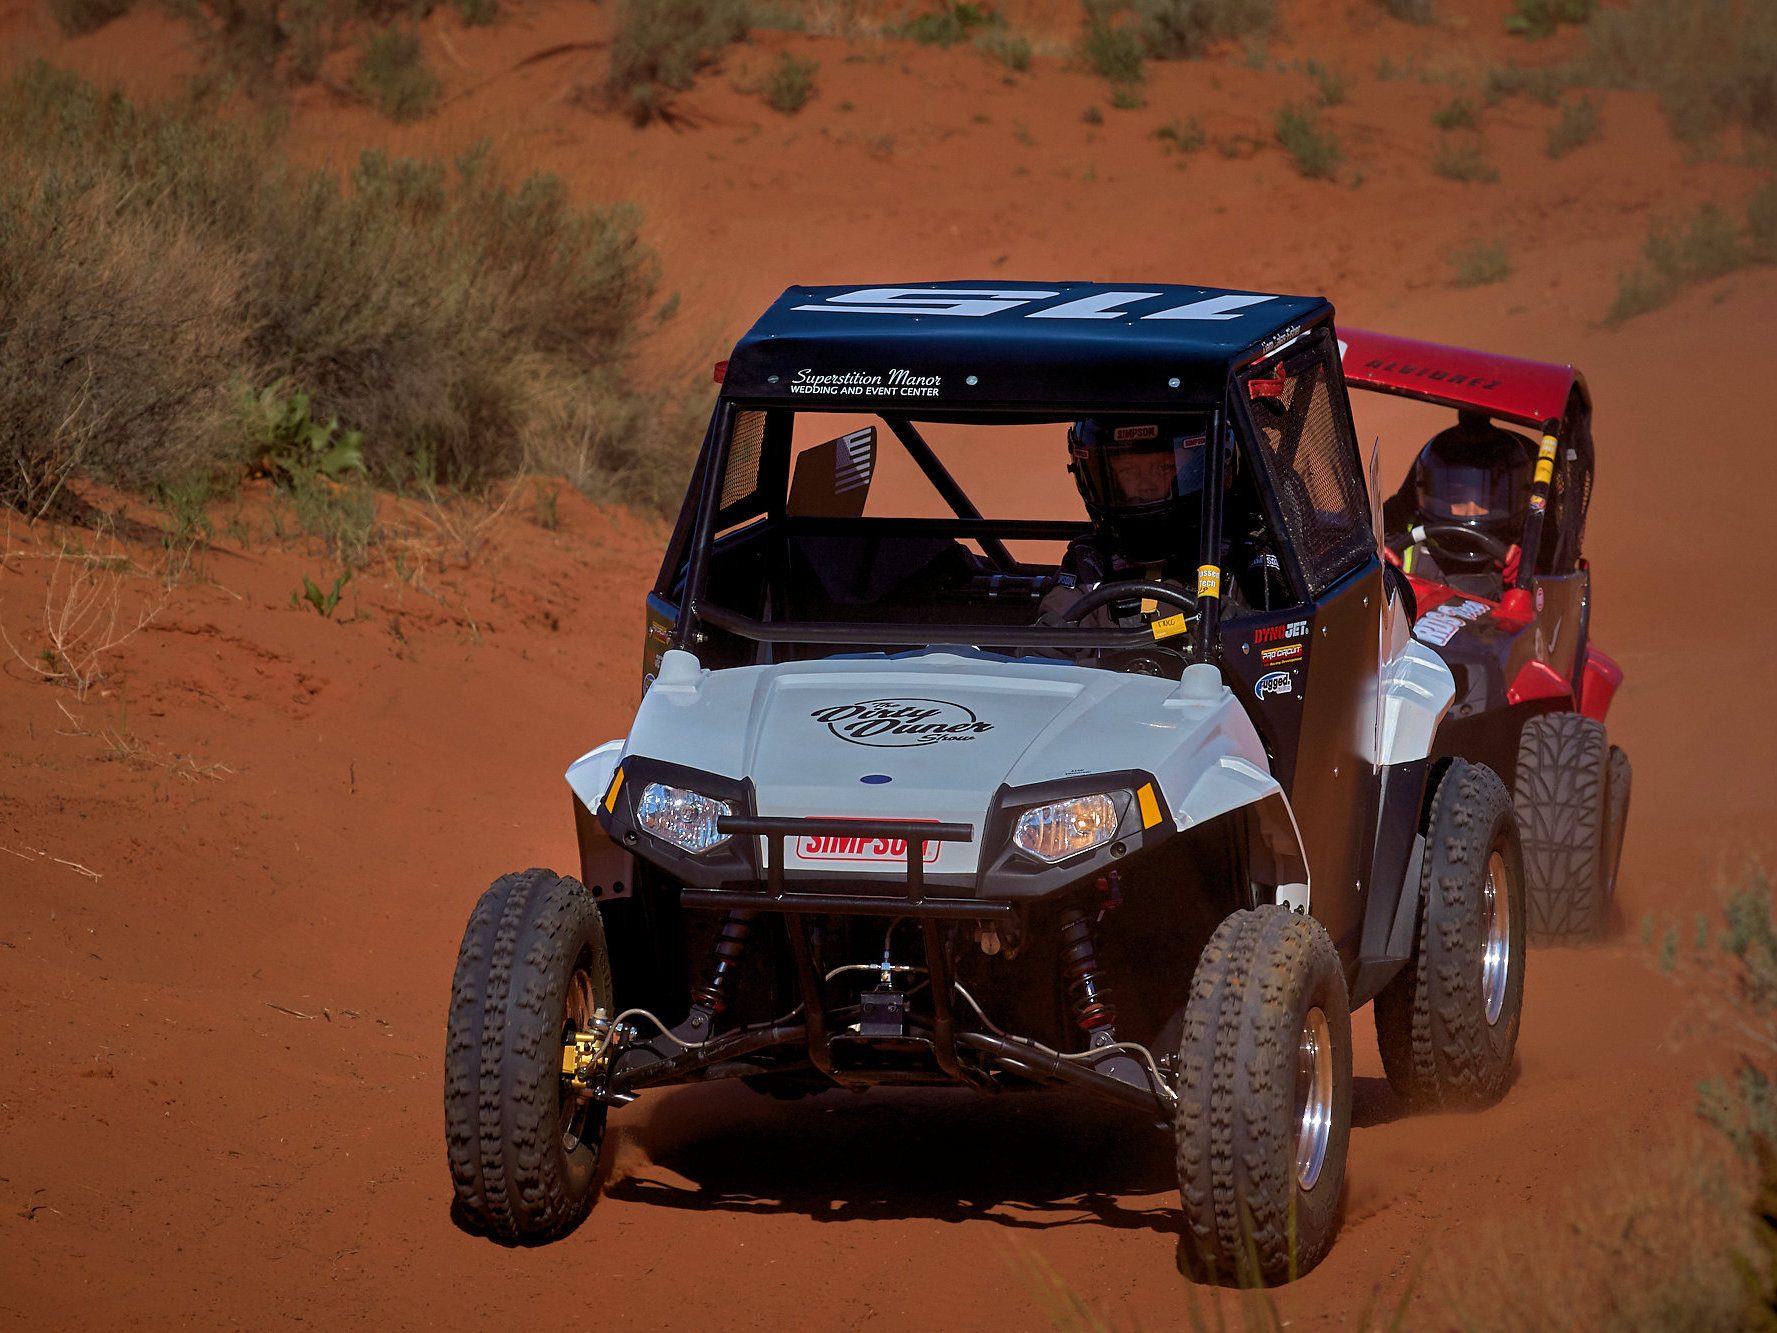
point(1079, 962)
point(729, 948)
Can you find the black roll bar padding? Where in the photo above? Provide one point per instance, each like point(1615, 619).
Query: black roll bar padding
point(946, 486)
point(1042, 1067)
point(921, 636)
point(684, 635)
point(1209, 541)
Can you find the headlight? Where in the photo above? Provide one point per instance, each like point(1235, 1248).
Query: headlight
point(1062, 829)
point(683, 818)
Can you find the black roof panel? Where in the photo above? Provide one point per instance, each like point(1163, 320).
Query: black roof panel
point(960, 345)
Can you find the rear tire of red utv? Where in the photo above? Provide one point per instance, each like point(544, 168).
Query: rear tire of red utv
point(524, 1150)
point(1264, 1100)
point(1447, 1025)
point(1561, 798)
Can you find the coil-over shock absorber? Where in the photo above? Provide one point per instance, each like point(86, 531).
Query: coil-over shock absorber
point(730, 947)
point(1093, 1009)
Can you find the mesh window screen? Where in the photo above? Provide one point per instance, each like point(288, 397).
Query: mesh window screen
point(744, 452)
point(1319, 481)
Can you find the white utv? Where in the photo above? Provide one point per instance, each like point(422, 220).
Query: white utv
point(918, 796)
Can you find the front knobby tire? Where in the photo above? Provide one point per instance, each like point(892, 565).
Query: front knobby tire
point(524, 1149)
point(1561, 798)
point(1264, 1099)
point(1448, 1022)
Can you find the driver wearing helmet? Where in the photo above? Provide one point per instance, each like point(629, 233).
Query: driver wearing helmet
point(1458, 516)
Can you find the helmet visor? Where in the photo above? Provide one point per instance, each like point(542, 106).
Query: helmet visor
point(1460, 492)
point(1131, 467)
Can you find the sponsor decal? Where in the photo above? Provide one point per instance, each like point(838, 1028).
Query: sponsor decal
point(860, 849)
point(976, 302)
point(855, 460)
point(864, 384)
point(1407, 368)
point(901, 723)
point(1278, 682)
point(1294, 629)
point(1284, 652)
point(659, 630)
point(1170, 627)
point(1439, 627)
point(1209, 581)
point(1136, 433)
point(1539, 599)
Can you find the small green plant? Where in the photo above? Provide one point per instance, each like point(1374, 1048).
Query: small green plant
point(1481, 264)
point(1178, 136)
point(946, 24)
point(185, 501)
point(1457, 114)
point(1021, 132)
point(343, 517)
point(285, 442)
point(1579, 125)
point(1009, 48)
point(1185, 29)
point(1092, 116)
point(1114, 51)
point(1315, 152)
point(1410, 11)
point(1709, 248)
point(1464, 160)
point(477, 13)
point(1536, 19)
point(789, 86)
point(76, 17)
point(543, 502)
point(662, 44)
point(1127, 97)
point(1329, 84)
point(325, 602)
point(392, 75)
point(1544, 86)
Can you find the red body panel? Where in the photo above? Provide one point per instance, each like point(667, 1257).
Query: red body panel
point(1599, 684)
point(1531, 392)
point(1536, 680)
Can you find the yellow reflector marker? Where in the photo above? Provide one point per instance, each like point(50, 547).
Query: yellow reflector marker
point(1209, 581)
point(1150, 806)
point(616, 786)
point(1171, 626)
point(1545, 461)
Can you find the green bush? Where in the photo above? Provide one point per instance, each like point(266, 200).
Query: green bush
point(1537, 19)
point(477, 13)
point(392, 75)
point(1579, 125)
point(1540, 85)
point(1009, 48)
point(1329, 84)
point(1463, 160)
point(1315, 152)
point(1411, 11)
point(1458, 114)
point(1709, 248)
point(1181, 136)
point(1712, 62)
point(155, 260)
point(949, 23)
point(1184, 29)
point(789, 86)
point(76, 17)
point(1482, 263)
point(1113, 50)
point(662, 44)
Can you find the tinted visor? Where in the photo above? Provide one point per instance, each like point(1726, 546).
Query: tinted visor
point(1129, 467)
point(1459, 492)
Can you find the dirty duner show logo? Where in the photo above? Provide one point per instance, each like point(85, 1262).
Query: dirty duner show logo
point(901, 722)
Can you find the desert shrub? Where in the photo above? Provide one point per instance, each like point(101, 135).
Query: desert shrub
point(1482, 263)
point(1457, 114)
point(1537, 19)
point(1127, 97)
point(262, 45)
point(1112, 49)
point(477, 13)
point(1540, 85)
point(1184, 29)
point(1761, 224)
point(1463, 159)
point(1009, 48)
point(75, 17)
point(1579, 125)
point(790, 84)
point(662, 44)
point(1411, 11)
point(1315, 152)
point(1178, 136)
point(1712, 62)
point(1709, 248)
point(160, 259)
point(394, 77)
point(1329, 84)
point(948, 23)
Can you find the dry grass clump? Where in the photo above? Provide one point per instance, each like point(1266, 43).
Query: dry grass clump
point(1712, 62)
point(662, 44)
point(163, 268)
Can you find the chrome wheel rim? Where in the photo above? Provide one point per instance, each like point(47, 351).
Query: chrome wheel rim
point(1314, 1097)
point(1496, 923)
point(570, 1107)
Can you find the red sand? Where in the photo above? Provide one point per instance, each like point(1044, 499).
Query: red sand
point(177, 1147)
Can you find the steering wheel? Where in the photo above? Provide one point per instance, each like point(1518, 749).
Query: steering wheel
point(1461, 541)
point(1123, 590)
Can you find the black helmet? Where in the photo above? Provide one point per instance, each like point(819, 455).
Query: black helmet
point(1476, 475)
point(1141, 480)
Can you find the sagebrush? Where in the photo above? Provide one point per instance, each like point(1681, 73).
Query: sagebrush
point(662, 44)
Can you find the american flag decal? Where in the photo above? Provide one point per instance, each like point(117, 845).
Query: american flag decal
point(855, 460)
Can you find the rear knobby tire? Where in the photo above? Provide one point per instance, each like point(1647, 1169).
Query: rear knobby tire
point(524, 1149)
point(1448, 1022)
point(1563, 780)
point(1260, 1188)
